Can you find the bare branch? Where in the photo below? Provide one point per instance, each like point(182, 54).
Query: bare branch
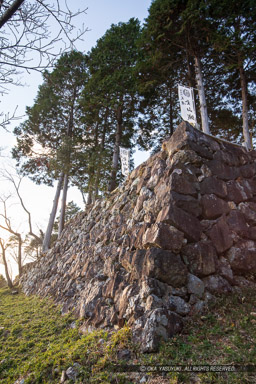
point(28, 42)
point(16, 184)
point(10, 12)
point(7, 119)
point(8, 227)
point(7, 274)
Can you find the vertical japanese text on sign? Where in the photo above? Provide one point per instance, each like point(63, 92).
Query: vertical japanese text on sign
point(125, 161)
point(187, 104)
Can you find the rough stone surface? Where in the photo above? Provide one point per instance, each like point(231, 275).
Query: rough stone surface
point(195, 285)
point(182, 220)
point(213, 185)
point(223, 171)
point(181, 229)
point(186, 203)
point(220, 236)
point(239, 191)
point(179, 184)
point(166, 267)
point(72, 372)
point(160, 325)
point(163, 236)
point(214, 207)
point(249, 210)
point(224, 269)
point(179, 305)
point(237, 223)
point(242, 259)
point(217, 284)
point(200, 258)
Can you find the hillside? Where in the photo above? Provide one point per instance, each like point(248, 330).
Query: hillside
point(38, 345)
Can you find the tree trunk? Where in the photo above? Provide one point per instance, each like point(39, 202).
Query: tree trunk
point(67, 168)
point(89, 198)
point(48, 233)
point(189, 67)
point(63, 205)
point(96, 189)
point(10, 12)
point(91, 182)
point(20, 255)
point(9, 281)
point(200, 87)
point(92, 165)
point(97, 181)
point(102, 147)
point(170, 112)
point(246, 132)
point(112, 183)
point(83, 195)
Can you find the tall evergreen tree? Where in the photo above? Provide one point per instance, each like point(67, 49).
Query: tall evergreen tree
point(111, 64)
point(48, 141)
point(159, 70)
point(98, 120)
point(177, 28)
point(234, 35)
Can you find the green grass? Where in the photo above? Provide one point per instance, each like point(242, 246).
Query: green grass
point(37, 344)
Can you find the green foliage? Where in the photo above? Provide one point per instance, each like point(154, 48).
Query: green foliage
point(223, 335)
point(111, 61)
point(234, 36)
point(110, 97)
point(124, 91)
point(38, 343)
point(49, 141)
point(71, 210)
point(160, 67)
point(174, 33)
point(72, 125)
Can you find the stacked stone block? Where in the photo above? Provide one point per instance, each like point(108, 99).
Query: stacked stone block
point(180, 230)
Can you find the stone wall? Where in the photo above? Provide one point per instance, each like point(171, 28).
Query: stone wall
point(179, 231)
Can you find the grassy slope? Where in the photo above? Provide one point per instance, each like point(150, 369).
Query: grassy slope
point(37, 343)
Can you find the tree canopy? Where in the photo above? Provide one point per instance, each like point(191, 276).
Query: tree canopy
point(33, 35)
point(124, 93)
point(50, 142)
point(207, 44)
point(111, 63)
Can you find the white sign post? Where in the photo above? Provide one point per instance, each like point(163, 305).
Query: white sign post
point(187, 104)
point(125, 161)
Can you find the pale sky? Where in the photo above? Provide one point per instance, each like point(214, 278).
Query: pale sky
point(38, 199)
